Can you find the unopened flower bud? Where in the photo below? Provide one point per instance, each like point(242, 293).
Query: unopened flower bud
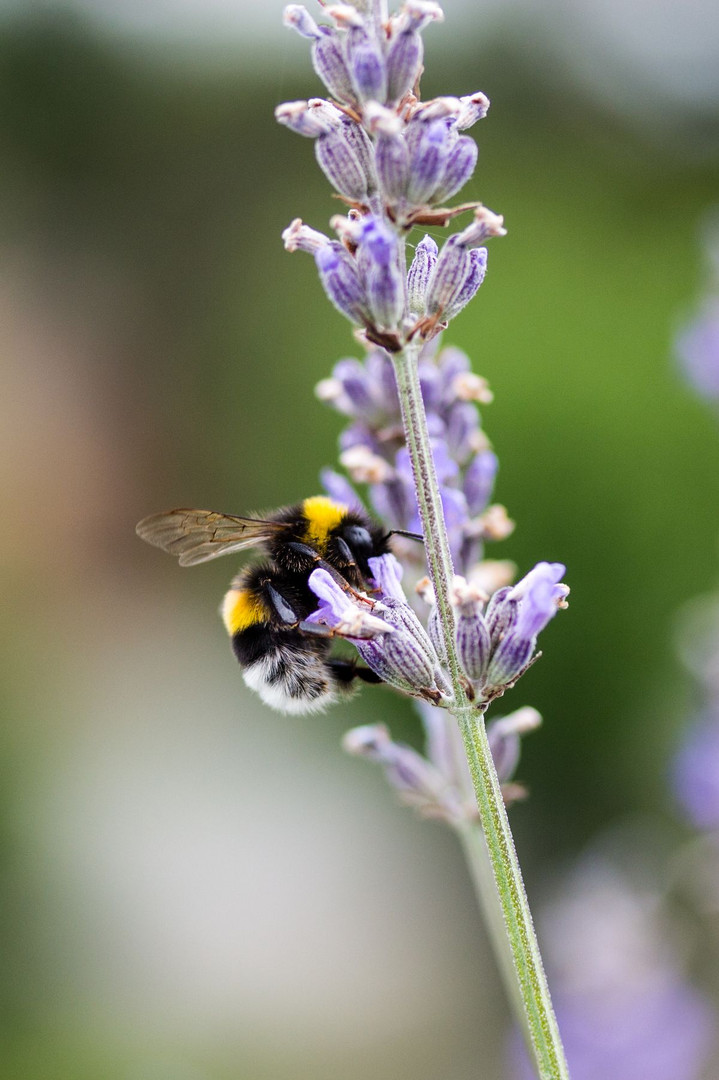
point(428, 161)
point(461, 162)
point(448, 276)
point(473, 643)
point(328, 60)
point(423, 263)
point(341, 282)
point(476, 270)
point(404, 61)
point(341, 166)
point(366, 64)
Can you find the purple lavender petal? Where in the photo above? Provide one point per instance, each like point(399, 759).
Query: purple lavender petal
point(479, 481)
point(462, 430)
point(538, 592)
point(340, 490)
point(352, 375)
point(380, 376)
point(387, 573)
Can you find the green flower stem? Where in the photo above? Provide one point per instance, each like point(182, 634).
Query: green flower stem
point(527, 988)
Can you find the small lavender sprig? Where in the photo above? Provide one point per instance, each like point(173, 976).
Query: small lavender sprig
point(394, 160)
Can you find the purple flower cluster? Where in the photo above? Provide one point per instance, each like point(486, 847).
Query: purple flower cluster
point(394, 160)
point(438, 784)
point(373, 451)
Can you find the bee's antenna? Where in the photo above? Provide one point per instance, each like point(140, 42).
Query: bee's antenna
point(408, 535)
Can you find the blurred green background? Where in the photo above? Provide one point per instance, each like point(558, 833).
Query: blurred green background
point(194, 888)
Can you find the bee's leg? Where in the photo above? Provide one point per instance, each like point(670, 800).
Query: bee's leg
point(281, 606)
point(322, 564)
point(347, 670)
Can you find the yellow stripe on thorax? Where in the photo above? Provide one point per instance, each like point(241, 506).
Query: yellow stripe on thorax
point(322, 515)
point(241, 609)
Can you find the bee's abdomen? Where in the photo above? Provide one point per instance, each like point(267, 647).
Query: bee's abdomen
point(288, 672)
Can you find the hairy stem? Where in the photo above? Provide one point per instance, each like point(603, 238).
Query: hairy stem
point(526, 981)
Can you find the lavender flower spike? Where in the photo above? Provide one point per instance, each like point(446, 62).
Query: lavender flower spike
point(413, 439)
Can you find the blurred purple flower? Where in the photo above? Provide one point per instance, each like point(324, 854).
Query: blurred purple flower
point(624, 1006)
point(695, 772)
point(698, 351)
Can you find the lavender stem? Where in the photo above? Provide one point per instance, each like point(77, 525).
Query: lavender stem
point(526, 981)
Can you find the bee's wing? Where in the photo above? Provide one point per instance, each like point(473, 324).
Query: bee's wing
point(195, 536)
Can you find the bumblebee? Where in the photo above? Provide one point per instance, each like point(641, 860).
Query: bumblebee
point(287, 662)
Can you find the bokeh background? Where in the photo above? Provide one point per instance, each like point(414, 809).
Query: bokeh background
point(195, 888)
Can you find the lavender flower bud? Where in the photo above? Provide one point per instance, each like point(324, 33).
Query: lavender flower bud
point(423, 263)
point(449, 275)
point(329, 62)
point(391, 153)
point(341, 282)
point(365, 61)
point(428, 162)
point(698, 350)
point(474, 107)
point(476, 270)
point(360, 143)
point(461, 163)
point(473, 642)
point(404, 62)
point(501, 614)
point(341, 166)
point(383, 281)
